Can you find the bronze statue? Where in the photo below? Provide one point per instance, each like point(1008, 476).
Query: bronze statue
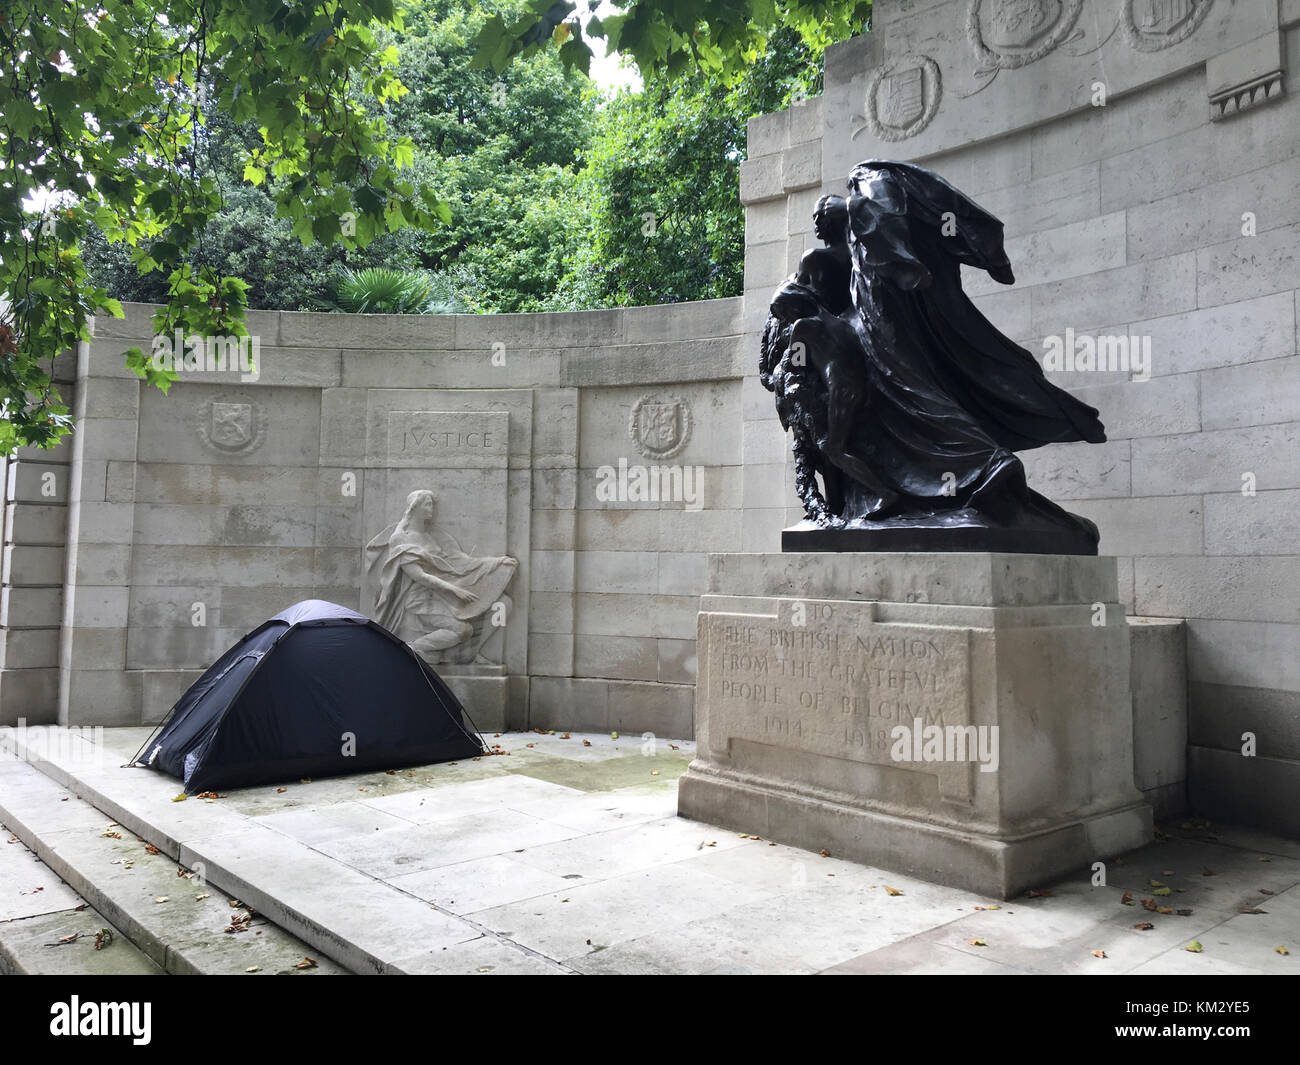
point(903, 400)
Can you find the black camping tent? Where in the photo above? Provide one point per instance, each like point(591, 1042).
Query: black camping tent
point(317, 690)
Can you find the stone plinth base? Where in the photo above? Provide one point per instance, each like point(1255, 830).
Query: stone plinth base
point(961, 717)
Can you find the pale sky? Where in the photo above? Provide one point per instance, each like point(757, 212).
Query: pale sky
point(605, 70)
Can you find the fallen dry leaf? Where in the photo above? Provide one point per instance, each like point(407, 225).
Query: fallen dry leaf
point(306, 963)
point(1265, 891)
point(200, 898)
point(1166, 910)
point(281, 791)
point(977, 943)
point(1098, 953)
point(1037, 893)
point(585, 743)
point(892, 890)
point(824, 853)
point(1144, 926)
point(70, 938)
point(1149, 904)
point(161, 898)
point(1281, 950)
point(1194, 947)
point(1127, 899)
point(251, 969)
point(149, 848)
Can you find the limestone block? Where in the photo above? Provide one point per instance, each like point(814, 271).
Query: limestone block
point(760, 179)
point(682, 572)
point(1045, 202)
point(1159, 679)
point(39, 482)
point(314, 329)
point(236, 424)
point(1254, 394)
point(32, 523)
point(97, 607)
point(1234, 333)
point(1244, 588)
point(108, 697)
point(616, 657)
point(550, 654)
point(1220, 714)
point(801, 166)
point(1068, 251)
point(1155, 407)
point(1248, 267)
point(25, 564)
point(108, 438)
point(1159, 525)
point(767, 134)
point(681, 321)
point(1261, 524)
point(1142, 290)
point(31, 608)
point(1073, 471)
point(617, 571)
point(1213, 213)
point(569, 703)
point(116, 400)
point(1252, 654)
point(1243, 791)
point(765, 222)
point(1217, 460)
point(102, 563)
point(29, 649)
point(94, 648)
point(799, 697)
point(29, 694)
point(552, 571)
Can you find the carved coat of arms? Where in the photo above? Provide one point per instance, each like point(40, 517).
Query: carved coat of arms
point(660, 427)
point(231, 426)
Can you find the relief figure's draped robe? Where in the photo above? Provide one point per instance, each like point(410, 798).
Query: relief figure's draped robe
point(409, 608)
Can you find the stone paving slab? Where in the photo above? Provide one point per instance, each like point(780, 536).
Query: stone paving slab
point(32, 947)
point(564, 856)
point(177, 921)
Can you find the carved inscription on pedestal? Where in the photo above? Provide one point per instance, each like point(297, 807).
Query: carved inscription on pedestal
point(826, 679)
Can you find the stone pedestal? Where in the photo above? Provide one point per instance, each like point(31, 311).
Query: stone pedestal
point(961, 717)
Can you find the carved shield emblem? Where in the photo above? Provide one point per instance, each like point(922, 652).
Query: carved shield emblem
point(1161, 16)
point(901, 97)
point(231, 427)
point(1019, 23)
point(660, 427)
point(232, 424)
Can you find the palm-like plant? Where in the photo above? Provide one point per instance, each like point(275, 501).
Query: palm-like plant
point(383, 290)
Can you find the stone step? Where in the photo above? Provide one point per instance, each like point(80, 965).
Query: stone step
point(46, 928)
point(173, 922)
point(364, 924)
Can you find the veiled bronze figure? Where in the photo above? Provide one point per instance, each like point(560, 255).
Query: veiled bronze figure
point(906, 405)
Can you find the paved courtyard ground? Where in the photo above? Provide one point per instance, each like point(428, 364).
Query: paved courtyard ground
point(565, 855)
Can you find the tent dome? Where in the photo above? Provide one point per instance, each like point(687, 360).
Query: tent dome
point(317, 690)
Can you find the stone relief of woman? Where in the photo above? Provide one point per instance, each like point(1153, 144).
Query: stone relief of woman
point(443, 602)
